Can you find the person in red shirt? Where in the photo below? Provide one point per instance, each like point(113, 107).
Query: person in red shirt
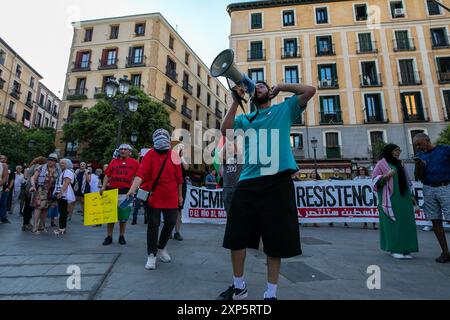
point(166, 195)
point(120, 175)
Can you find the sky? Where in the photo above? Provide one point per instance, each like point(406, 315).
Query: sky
point(44, 35)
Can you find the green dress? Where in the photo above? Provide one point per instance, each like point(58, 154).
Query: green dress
point(398, 236)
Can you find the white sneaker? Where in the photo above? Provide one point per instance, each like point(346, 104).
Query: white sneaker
point(427, 229)
point(164, 256)
point(408, 257)
point(398, 256)
point(151, 262)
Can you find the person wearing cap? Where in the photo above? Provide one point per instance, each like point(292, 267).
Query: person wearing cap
point(166, 194)
point(119, 175)
point(43, 184)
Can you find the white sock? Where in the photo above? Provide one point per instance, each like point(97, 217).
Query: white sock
point(271, 291)
point(239, 283)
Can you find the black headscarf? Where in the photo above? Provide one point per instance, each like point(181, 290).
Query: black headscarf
point(387, 155)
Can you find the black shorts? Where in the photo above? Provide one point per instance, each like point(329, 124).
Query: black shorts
point(265, 208)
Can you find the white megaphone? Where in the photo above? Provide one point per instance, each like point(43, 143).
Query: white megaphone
point(223, 66)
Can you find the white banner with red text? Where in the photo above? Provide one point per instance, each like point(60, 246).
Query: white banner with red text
point(317, 202)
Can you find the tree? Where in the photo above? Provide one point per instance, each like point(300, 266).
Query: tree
point(95, 129)
point(15, 143)
point(444, 138)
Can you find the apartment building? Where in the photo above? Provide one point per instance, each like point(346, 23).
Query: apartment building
point(149, 51)
point(381, 67)
point(18, 87)
point(46, 110)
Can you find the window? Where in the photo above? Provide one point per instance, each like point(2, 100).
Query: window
point(185, 126)
point(288, 18)
point(446, 94)
point(365, 42)
point(290, 49)
point(187, 57)
point(199, 71)
point(217, 91)
point(256, 74)
point(114, 34)
point(136, 80)
point(433, 8)
point(328, 76)
point(171, 42)
point(136, 56)
point(330, 110)
point(72, 111)
point(443, 66)
point(109, 58)
point(26, 116)
point(361, 12)
point(256, 51)
point(81, 86)
point(41, 100)
point(369, 75)
point(333, 147)
point(208, 118)
point(209, 81)
point(12, 108)
point(397, 9)
point(88, 34)
point(324, 46)
point(139, 29)
point(49, 106)
point(29, 98)
point(402, 41)
point(18, 71)
point(376, 137)
point(208, 100)
point(439, 38)
point(321, 15)
point(373, 107)
point(256, 22)
point(291, 75)
point(408, 74)
point(32, 80)
point(38, 122)
point(412, 106)
point(199, 90)
point(297, 141)
point(16, 89)
point(2, 57)
point(197, 113)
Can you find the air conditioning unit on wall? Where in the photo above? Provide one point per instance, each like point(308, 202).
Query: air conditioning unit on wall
point(399, 12)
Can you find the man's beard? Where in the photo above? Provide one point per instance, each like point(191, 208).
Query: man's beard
point(261, 100)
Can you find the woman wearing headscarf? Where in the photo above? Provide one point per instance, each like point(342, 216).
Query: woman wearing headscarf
point(398, 231)
point(166, 194)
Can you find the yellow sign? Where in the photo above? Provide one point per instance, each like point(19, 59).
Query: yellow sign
point(101, 209)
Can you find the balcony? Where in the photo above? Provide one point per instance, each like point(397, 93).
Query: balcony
point(370, 82)
point(107, 64)
point(170, 101)
point(299, 123)
point(366, 47)
point(81, 66)
point(77, 94)
point(329, 83)
point(377, 118)
point(256, 55)
point(11, 115)
point(331, 118)
point(443, 43)
point(99, 93)
point(185, 111)
point(29, 104)
point(172, 73)
point(322, 51)
point(404, 45)
point(187, 87)
point(290, 53)
point(219, 114)
point(334, 153)
point(409, 78)
point(136, 62)
point(15, 93)
point(420, 116)
point(443, 77)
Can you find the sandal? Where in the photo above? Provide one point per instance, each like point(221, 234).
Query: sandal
point(60, 232)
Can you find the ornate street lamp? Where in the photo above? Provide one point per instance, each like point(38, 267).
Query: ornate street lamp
point(134, 137)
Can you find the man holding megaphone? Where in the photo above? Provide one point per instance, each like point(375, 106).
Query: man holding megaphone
point(263, 204)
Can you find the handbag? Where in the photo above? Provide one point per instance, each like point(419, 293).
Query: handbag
point(145, 195)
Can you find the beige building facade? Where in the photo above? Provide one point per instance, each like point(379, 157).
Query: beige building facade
point(149, 51)
point(382, 69)
point(18, 87)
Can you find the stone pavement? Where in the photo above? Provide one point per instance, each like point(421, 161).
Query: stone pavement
point(334, 266)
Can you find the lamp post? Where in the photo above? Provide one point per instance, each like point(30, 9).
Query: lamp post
point(134, 137)
point(117, 93)
point(314, 144)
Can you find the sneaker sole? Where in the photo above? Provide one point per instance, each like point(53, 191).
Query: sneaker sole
point(240, 297)
point(165, 261)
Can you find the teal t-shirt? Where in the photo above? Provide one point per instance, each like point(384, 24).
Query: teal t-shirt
point(267, 143)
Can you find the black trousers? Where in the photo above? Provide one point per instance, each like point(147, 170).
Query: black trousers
point(63, 212)
point(27, 210)
point(154, 221)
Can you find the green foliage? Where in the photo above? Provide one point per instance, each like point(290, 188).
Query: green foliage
point(377, 150)
point(15, 143)
point(95, 129)
point(444, 138)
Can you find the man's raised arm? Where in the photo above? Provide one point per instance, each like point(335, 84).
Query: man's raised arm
point(228, 123)
point(304, 92)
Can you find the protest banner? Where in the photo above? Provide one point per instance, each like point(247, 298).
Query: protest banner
point(101, 209)
point(317, 202)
